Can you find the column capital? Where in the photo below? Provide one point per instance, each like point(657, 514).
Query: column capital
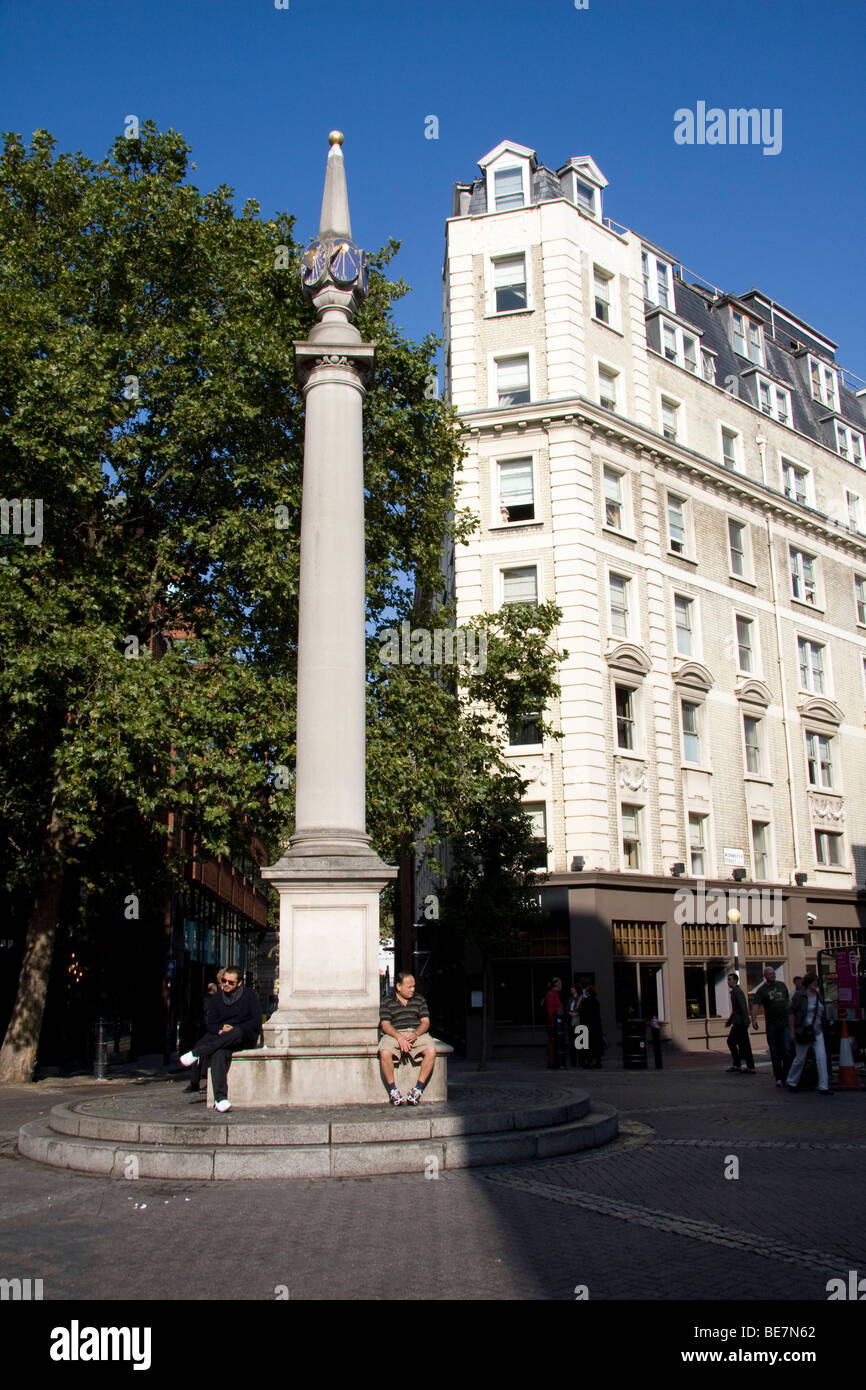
point(346, 360)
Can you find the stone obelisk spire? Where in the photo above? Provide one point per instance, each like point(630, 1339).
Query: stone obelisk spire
point(329, 879)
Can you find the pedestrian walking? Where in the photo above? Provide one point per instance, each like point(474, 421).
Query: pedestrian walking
point(772, 996)
point(808, 1022)
point(738, 1023)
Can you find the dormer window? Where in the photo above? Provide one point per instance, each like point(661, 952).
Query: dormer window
point(657, 281)
point(774, 401)
point(849, 444)
point(507, 171)
point(679, 346)
point(508, 188)
point(748, 341)
point(586, 197)
point(825, 383)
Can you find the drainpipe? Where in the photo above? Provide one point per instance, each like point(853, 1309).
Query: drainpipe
point(789, 757)
point(761, 441)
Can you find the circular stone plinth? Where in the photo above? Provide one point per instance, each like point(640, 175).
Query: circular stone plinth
point(160, 1130)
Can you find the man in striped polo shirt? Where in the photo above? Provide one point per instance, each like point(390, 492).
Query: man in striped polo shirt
point(404, 1021)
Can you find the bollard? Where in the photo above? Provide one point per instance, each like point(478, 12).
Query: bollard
point(100, 1061)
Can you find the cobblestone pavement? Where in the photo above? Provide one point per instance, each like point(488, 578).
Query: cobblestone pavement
point(651, 1217)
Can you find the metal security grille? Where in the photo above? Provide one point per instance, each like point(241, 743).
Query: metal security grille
point(638, 938)
point(836, 938)
point(705, 941)
point(762, 944)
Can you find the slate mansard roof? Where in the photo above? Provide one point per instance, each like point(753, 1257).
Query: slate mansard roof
point(788, 344)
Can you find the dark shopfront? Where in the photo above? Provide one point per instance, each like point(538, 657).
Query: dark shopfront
point(646, 957)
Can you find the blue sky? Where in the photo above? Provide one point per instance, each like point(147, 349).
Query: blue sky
point(255, 91)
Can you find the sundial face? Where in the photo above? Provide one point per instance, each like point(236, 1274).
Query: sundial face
point(346, 262)
point(314, 265)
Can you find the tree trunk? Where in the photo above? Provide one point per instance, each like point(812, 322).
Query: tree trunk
point(18, 1053)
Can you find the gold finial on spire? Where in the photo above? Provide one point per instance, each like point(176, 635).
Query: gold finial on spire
point(335, 137)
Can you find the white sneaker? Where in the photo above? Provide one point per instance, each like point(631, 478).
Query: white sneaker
point(187, 1059)
point(222, 1105)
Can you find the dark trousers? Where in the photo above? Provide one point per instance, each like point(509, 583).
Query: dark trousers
point(216, 1049)
point(779, 1042)
point(741, 1047)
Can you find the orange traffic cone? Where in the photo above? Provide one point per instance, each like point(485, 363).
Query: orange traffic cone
point(846, 1079)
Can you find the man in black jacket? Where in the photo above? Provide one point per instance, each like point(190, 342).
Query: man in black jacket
point(738, 1022)
point(234, 1021)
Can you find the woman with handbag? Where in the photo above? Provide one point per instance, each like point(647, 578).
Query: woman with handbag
point(808, 1019)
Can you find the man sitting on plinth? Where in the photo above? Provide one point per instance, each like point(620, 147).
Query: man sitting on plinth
point(234, 1021)
point(404, 1022)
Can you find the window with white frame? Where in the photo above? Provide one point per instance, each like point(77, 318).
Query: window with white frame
point(625, 697)
point(752, 738)
point(537, 813)
point(516, 490)
point(810, 656)
point(852, 506)
point(691, 731)
point(708, 366)
point(828, 848)
point(520, 584)
point(774, 401)
point(684, 623)
point(509, 284)
point(804, 585)
point(657, 280)
point(677, 521)
point(737, 547)
point(819, 760)
point(620, 618)
point(796, 482)
point(607, 387)
point(614, 499)
point(860, 598)
point(631, 835)
point(508, 188)
point(586, 195)
point(761, 849)
point(748, 340)
point(825, 383)
point(849, 443)
point(745, 644)
point(730, 448)
point(512, 380)
point(679, 346)
point(697, 844)
point(525, 732)
point(602, 287)
point(670, 419)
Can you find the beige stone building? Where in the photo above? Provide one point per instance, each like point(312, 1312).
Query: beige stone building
point(683, 471)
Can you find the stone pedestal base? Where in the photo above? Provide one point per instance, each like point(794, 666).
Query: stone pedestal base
point(347, 1075)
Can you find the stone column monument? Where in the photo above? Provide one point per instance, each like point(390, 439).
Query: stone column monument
point(320, 1046)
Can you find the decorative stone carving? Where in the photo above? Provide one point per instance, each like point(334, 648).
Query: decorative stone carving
point(827, 808)
point(631, 775)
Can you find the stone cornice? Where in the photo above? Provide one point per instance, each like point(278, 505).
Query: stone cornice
point(659, 452)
